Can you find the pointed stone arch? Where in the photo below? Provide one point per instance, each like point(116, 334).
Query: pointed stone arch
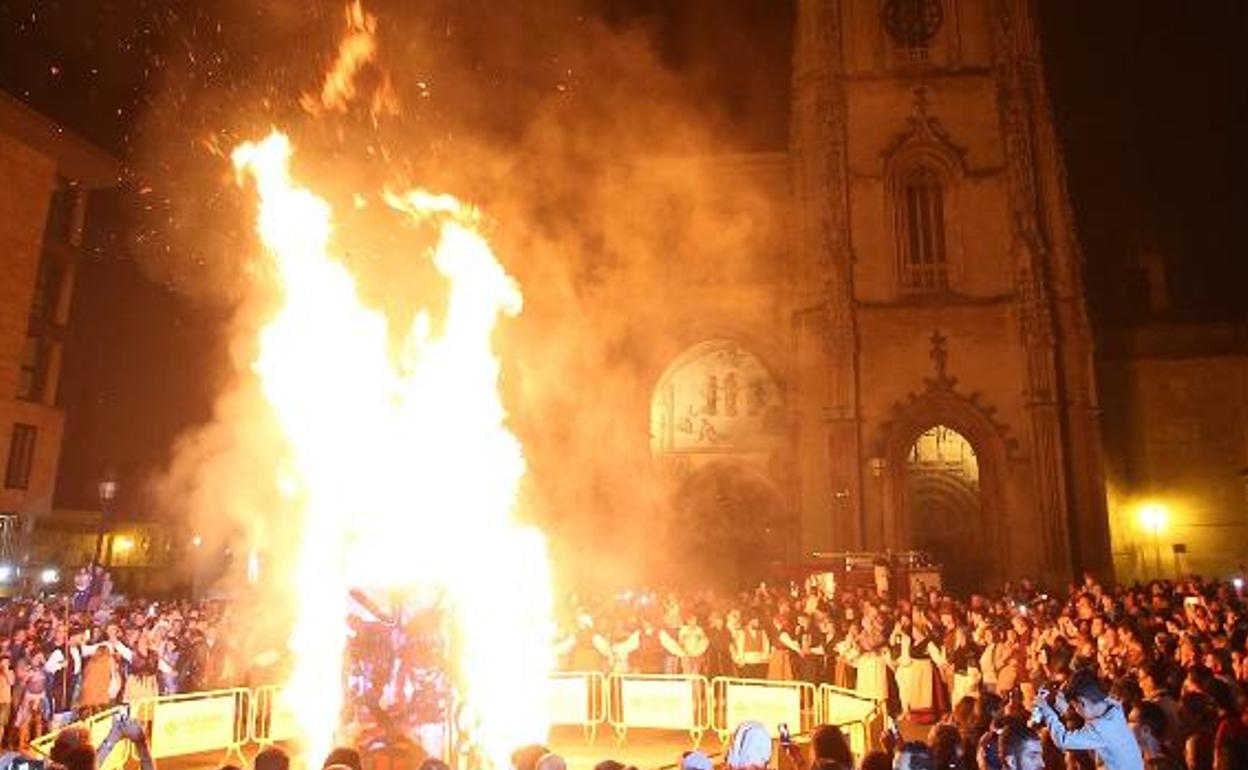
point(922, 163)
point(731, 523)
point(941, 404)
point(717, 397)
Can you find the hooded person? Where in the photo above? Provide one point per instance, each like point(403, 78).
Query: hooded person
point(750, 747)
point(696, 760)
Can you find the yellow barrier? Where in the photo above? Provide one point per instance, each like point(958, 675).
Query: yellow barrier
point(98, 726)
point(273, 718)
point(577, 698)
point(770, 702)
point(225, 720)
point(855, 714)
point(665, 702)
point(197, 722)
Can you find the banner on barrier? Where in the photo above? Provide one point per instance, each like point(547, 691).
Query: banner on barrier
point(841, 709)
point(193, 726)
point(769, 704)
point(567, 700)
point(283, 719)
point(657, 703)
point(852, 713)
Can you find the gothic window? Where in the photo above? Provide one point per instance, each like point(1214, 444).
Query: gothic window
point(21, 456)
point(920, 225)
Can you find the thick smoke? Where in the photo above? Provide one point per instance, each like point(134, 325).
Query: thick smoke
point(577, 137)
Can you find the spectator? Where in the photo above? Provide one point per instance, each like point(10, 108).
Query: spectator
point(829, 742)
point(1019, 749)
point(1105, 730)
point(945, 742)
point(876, 760)
point(345, 756)
point(271, 758)
point(696, 760)
point(551, 761)
point(913, 756)
point(749, 748)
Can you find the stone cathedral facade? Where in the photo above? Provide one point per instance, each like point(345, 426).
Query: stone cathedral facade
point(906, 361)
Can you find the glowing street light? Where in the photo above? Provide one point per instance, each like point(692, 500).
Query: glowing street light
point(1153, 519)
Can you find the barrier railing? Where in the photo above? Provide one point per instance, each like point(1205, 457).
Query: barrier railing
point(98, 725)
point(226, 720)
point(768, 701)
point(578, 698)
point(273, 717)
point(195, 723)
point(660, 701)
point(856, 715)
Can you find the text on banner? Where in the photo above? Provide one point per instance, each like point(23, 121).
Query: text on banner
point(193, 726)
point(766, 703)
point(658, 703)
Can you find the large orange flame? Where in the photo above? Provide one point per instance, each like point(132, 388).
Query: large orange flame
point(401, 464)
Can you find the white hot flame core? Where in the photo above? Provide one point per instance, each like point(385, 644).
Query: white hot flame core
point(404, 472)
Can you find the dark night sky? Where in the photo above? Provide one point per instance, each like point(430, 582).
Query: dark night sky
point(1150, 99)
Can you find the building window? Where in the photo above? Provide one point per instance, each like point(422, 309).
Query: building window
point(21, 456)
point(921, 231)
point(59, 227)
point(48, 282)
point(33, 373)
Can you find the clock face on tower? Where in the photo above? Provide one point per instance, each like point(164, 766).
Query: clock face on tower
point(912, 23)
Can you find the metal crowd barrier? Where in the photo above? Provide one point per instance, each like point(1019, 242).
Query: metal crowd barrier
point(768, 701)
point(578, 698)
point(660, 701)
point(98, 725)
point(858, 716)
point(273, 718)
point(226, 720)
point(194, 723)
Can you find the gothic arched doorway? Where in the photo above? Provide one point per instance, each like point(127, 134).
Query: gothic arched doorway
point(717, 429)
point(944, 509)
point(729, 526)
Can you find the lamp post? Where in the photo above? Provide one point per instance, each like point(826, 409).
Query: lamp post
point(1153, 518)
point(107, 490)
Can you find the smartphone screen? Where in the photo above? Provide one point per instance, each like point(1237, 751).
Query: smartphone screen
point(783, 729)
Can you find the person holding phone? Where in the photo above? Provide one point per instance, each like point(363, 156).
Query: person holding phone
point(1105, 730)
point(125, 728)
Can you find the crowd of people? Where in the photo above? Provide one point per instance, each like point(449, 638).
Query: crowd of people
point(1168, 660)
point(67, 657)
point(1119, 677)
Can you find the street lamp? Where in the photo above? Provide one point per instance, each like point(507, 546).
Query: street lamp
point(1153, 519)
point(107, 490)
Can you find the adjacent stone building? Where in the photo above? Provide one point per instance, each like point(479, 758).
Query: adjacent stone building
point(1176, 422)
point(48, 175)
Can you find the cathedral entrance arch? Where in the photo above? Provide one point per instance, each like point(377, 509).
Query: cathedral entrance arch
point(946, 462)
point(729, 526)
point(944, 508)
point(717, 435)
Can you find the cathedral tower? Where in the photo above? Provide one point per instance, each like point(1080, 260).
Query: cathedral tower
point(943, 388)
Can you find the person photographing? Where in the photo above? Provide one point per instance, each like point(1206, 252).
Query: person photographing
point(1105, 730)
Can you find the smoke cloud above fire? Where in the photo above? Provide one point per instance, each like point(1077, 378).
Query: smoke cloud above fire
point(602, 163)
